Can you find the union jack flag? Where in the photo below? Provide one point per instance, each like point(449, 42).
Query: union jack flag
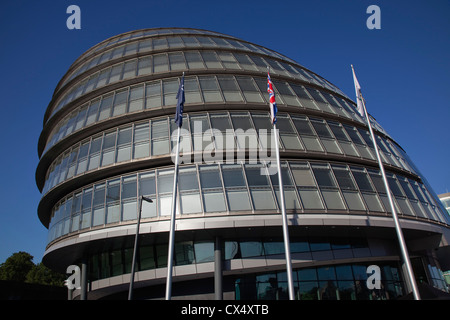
point(273, 104)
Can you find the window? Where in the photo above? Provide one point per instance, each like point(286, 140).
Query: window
point(308, 136)
point(210, 89)
point(211, 60)
point(147, 187)
point(230, 89)
point(328, 187)
point(176, 60)
point(194, 60)
point(124, 144)
point(160, 137)
point(136, 98)
point(170, 89)
point(94, 153)
point(306, 186)
point(192, 90)
point(249, 89)
point(129, 193)
point(211, 182)
point(98, 205)
point(160, 63)
point(105, 107)
point(144, 66)
point(260, 190)
point(129, 69)
point(235, 187)
point(112, 201)
point(153, 94)
point(141, 141)
point(120, 102)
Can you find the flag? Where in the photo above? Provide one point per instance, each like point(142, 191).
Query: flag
point(180, 104)
point(359, 98)
point(273, 104)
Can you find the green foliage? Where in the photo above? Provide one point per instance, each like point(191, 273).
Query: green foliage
point(40, 274)
point(20, 267)
point(16, 267)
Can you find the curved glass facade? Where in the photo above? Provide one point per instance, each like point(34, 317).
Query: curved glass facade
point(206, 189)
point(148, 139)
point(108, 139)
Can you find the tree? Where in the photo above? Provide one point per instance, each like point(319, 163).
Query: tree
point(40, 274)
point(16, 267)
point(20, 267)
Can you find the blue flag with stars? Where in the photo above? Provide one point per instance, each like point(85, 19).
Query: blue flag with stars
point(180, 104)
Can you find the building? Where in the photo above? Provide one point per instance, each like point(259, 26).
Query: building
point(445, 199)
point(107, 139)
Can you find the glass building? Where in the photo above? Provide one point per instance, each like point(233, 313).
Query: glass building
point(445, 199)
point(107, 139)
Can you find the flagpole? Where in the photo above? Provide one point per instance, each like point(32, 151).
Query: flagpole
point(398, 228)
point(287, 248)
point(172, 224)
point(178, 117)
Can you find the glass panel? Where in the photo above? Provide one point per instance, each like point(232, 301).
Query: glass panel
point(194, 60)
point(238, 200)
point(204, 252)
point(303, 126)
point(160, 63)
point(373, 202)
point(190, 203)
point(214, 201)
point(124, 145)
point(353, 200)
point(120, 102)
point(321, 128)
point(210, 177)
point(290, 199)
point(147, 188)
point(129, 210)
point(129, 69)
point(393, 185)
point(144, 66)
point(165, 181)
point(136, 98)
point(343, 177)
point(129, 187)
point(229, 88)
point(211, 60)
point(302, 175)
point(333, 199)
point(153, 94)
point(177, 61)
point(326, 273)
point(377, 181)
point(170, 89)
point(112, 201)
point(312, 144)
point(255, 178)
point(187, 179)
point(323, 175)
point(362, 179)
point(310, 199)
point(232, 176)
point(262, 199)
point(251, 249)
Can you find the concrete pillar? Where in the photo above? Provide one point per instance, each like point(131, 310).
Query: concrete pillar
point(218, 293)
point(83, 293)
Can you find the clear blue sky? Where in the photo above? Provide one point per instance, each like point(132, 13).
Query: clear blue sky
point(403, 69)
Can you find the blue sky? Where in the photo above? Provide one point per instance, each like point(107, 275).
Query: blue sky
point(403, 69)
